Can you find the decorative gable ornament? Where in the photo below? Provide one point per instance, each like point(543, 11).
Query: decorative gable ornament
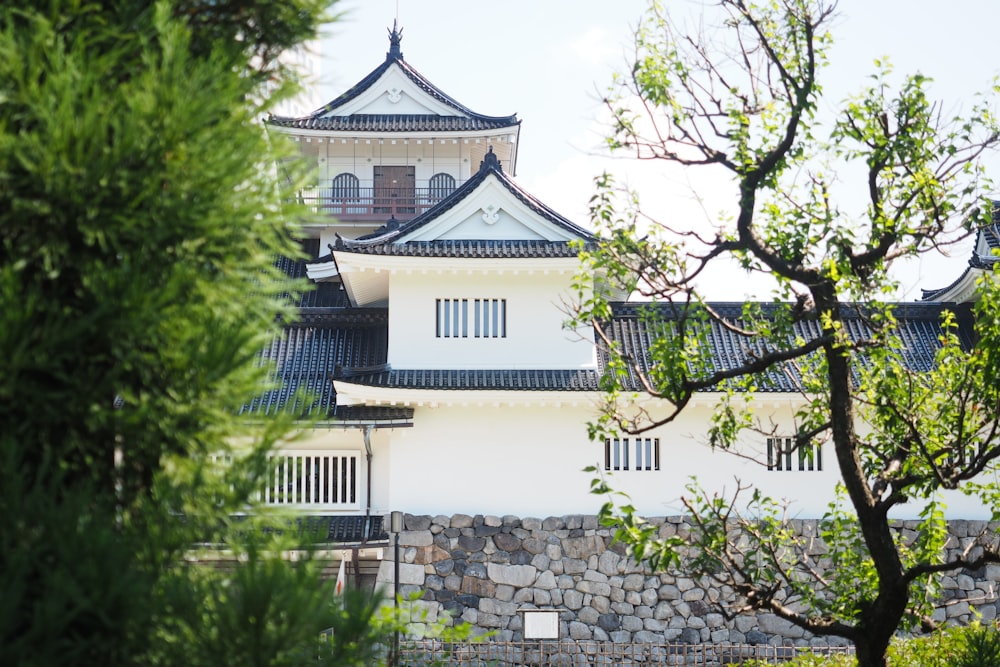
point(491, 214)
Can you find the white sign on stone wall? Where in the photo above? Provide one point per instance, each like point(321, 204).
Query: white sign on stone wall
point(541, 623)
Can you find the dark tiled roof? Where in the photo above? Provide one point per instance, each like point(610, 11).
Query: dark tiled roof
point(310, 353)
point(485, 249)
point(333, 528)
point(490, 166)
point(635, 325)
point(364, 122)
point(464, 118)
point(502, 379)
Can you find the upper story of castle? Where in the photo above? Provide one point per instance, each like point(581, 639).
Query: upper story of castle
point(392, 146)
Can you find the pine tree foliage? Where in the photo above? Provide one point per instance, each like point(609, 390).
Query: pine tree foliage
point(140, 218)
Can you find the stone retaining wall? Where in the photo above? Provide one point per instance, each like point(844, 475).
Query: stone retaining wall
point(485, 569)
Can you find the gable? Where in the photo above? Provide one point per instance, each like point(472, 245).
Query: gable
point(393, 92)
point(489, 212)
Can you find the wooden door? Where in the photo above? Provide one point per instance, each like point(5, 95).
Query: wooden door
point(395, 190)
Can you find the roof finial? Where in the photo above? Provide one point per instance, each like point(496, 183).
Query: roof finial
point(395, 37)
point(490, 161)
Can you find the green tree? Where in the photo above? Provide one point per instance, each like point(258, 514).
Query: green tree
point(742, 98)
point(139, 222)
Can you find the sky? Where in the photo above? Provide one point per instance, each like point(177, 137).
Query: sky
point(550, 61)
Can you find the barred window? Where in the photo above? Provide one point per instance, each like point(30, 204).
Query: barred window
point(782, 455)
point(645, 454)
point(471, 318)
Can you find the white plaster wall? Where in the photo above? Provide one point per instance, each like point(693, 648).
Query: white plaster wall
point(528, 461)
point(525, 461)
point(535, 337)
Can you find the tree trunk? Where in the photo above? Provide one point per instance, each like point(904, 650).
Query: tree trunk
point(871, 653)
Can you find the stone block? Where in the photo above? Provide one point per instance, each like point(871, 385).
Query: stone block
point(578, 630)
point(496, 607)
point(478, 587)
point(470, 543)
point(588, 615)
point(461, 521)
point(654, 625)
point(545, 581)
point(663, 610)
point(609, 622)
point(521, 557)
point(574, 566)
point(506, 542)
point(489, 621)
point(416, 522)
point(533, 545)
point(531, 523)
point(690, 636)
point(623, 608)
point(411, 574)
point(552, 523)
point(594, 588)
point(444, 567)
point(504, 593)
point(631, 623)
point(608, 562)
point(773, 625)
point(477, 570)
point(514, 575)
point(416, 538)
point(430, 554)
point(573, 600)
point(601, 604)
point(582, 547)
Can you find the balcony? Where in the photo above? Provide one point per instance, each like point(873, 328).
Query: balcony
point(393, 193)
point(371, 204)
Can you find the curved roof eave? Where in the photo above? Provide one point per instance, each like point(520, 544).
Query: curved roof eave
point(487, 168)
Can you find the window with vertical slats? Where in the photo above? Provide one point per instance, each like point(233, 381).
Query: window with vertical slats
point(632, 454)
point(471, 318)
